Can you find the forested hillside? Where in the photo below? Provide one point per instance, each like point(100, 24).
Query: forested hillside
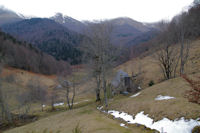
point(22, 55)
point(49, 36)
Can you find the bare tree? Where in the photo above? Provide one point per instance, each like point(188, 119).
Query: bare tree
point(184, 43)
point(101, 54)
point(53, 94)
point(69, 87)
point(38, 91)
point(25, 102)
point(167, 58)
point(5, 111)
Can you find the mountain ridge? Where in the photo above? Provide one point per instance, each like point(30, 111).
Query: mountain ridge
point(48, 36)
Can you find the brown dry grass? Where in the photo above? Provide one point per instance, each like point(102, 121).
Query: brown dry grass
point(151, 68)
point(89, 119)
point(172, 109)
point(23, 77)
point(18, 85)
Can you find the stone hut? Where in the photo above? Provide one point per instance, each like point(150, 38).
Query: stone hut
point(123, 83)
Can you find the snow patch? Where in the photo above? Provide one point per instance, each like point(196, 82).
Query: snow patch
point(100, 108)
point(81, 102)
point(164, 125)
point(160, 97)
point(62, 103)
point(139, 88)
point(123, 125)
point(58, 104)
point(135, 95)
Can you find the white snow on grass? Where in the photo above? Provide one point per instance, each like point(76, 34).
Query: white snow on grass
point(160, 97)
point(164, 125)
point(58, 104)
point(81, 102)
point(62, 103)
point(100, 108)
point(139, 88)
point(135, 95)
point(123, 125)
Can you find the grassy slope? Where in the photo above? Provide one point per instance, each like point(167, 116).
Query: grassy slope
point(172, 109)
point(89, 119)
point(151, 69)
point(92, 121)
point(22, 77)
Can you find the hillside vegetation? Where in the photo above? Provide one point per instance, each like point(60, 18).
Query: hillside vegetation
point(160, 84)
point(22, 55)
point(150, 66)
point(49, 36)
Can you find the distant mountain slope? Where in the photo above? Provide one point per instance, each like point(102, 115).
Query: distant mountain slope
point(7, 16)
point(69, 22)
point(48, 36)
point(144, 37)
point(122, 21)
point(126, 30)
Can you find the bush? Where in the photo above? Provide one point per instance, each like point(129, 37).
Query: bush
point(151, 83)
point(196, 129)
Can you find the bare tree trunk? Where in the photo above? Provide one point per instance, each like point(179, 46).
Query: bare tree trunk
point(52, 103)
point(74, 93)
point(104, 87)
point(70, 104)
point(175, 68)
point(98, 80)
point(181, 55)
point(184, 54)
point(42, 107)
point(67, 96)
point(105, 93)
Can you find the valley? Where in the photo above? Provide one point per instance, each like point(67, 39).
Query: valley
point(119, 75)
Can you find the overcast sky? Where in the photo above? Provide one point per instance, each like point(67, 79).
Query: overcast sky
point(140, 10)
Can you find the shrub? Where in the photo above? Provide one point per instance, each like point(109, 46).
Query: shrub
point(151, 83)
point(196, 129)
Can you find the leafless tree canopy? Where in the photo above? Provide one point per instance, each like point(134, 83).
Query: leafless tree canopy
point(100, 53)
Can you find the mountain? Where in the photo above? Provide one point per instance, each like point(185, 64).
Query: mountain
point(48, 36)
point(125, 21)
point(126, 30)
point(8, 16)
point(69, 22)
point(144, 37)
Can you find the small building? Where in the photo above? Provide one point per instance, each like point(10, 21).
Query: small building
point(124, 83)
